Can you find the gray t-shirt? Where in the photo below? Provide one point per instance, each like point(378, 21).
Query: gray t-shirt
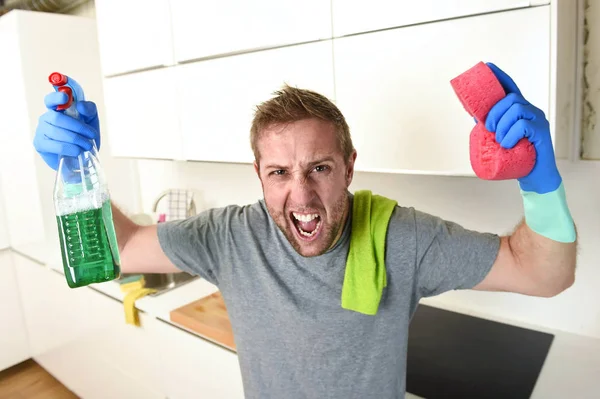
point(293, 338)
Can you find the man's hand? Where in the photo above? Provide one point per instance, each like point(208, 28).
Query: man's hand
point(514, 118)
point(59, 135)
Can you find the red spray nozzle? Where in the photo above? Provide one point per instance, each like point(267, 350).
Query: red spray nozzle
point(58, 79)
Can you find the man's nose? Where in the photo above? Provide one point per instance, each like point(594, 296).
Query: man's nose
point(302, 191)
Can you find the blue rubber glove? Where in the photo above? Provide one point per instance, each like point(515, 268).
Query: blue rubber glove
point(513, 118)
point(59, 135)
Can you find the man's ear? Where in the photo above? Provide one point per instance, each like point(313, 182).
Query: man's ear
point(350, 168)
point(257, 168)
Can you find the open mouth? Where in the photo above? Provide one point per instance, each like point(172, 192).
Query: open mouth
point(307, 225)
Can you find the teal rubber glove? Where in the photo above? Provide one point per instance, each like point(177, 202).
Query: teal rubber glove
point(513, 118)
point(60, 135)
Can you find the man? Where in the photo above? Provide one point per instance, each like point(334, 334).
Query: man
point(280, 263)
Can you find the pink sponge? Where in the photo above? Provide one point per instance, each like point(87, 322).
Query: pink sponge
point(492, 162)
point(478, 90)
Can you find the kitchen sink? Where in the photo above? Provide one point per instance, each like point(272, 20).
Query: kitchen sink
point(163, 282)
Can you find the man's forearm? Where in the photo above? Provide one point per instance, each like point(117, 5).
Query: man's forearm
point(124, 227)
point(139, 247)
point(551, 264)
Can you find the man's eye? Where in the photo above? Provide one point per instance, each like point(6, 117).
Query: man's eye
point(321, 168)
point(278, 172)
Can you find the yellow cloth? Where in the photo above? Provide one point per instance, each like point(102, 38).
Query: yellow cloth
point(131, 313)
point(133, 285)
point(365, 275)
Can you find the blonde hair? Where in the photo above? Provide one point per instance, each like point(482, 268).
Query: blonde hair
point(291, 104)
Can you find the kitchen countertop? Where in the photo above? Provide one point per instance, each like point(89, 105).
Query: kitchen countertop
point(158, 306)
point(571, 369)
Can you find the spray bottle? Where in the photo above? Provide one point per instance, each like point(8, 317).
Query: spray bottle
point(88, 242)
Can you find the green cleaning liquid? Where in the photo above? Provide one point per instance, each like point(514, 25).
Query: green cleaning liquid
point(86, 230)
point(88, 245)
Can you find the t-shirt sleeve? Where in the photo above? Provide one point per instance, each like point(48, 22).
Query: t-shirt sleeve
point(449, 256)
point(194, 244)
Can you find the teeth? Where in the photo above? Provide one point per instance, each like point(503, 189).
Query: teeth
point(304, 218)
point(304, 233)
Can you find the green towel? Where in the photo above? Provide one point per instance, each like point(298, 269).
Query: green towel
point(365, 275)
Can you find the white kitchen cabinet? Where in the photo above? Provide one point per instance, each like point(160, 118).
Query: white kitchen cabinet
point(394, 86)
point(355, 16)
point(80, 337)
point(142, 113)
point(18, 174)
point(4, 240)
point(56, 316)
point(133, 35)
point(208, 28)
point(29, 55)
point(218, 97)
point(195, 368)
point(131, 350)
point(14, 347)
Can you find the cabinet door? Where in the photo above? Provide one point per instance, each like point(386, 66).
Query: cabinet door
point(207, 28)
point(21, 196)
point(4, 242)
point(14, 347)
point(195, 368)
point(56, 316)
point(133, 35)
point(131, 350)
point(12, 123)
point(66, 327)
point(354, 16)
point(141, 114)
point(24, 217)
point(219, 96)
point(394, 86)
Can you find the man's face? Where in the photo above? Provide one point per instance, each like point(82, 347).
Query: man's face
point(305, 182)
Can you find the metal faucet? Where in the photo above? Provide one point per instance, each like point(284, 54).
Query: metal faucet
point(178, 206)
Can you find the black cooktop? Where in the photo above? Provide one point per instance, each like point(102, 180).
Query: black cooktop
point(452, 355)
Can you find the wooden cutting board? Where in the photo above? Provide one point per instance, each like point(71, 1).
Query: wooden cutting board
point(207, 317)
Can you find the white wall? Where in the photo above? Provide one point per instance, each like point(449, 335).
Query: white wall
point(591, 106)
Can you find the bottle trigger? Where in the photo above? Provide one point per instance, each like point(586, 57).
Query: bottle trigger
point(69, 92)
